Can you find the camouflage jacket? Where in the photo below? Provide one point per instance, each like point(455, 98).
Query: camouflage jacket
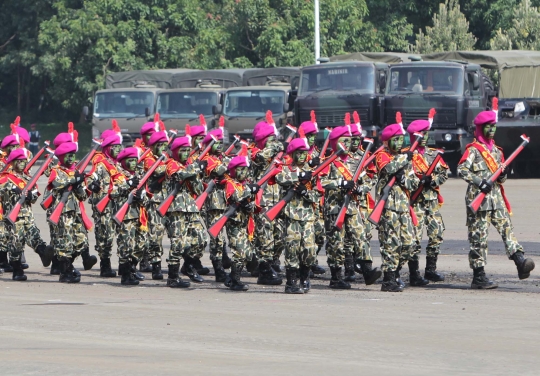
point(367, 181)
point(8, 197)
point(190, 186)
point(109, 175)
point(155, 185)
point(236, 193)
point(473, 168)
point(215, 170)
point(261, 161)
point(387, 165)
point(330, 180)
point(421, 164)
point(123, 193)
point(60, 179)
point(300, 208)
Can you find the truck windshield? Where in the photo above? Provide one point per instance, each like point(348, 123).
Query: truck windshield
point(350, 78)
point(123, 104)
point(253, 102)
point(424, 79)
point(186, 104)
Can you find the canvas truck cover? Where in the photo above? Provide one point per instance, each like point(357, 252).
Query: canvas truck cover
point(225, 78)
point(519, 70)
point(161, 78)
point(259, 77)
point(374, 57)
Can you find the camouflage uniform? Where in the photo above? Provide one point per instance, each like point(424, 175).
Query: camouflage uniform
point(3, 231)
point(396, 230)
point(156, 223)
point(473, 168)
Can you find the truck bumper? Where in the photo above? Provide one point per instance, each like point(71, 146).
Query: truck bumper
point(447, 139)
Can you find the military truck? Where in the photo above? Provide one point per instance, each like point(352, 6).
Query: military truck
point(353, 82)
point(518, 91)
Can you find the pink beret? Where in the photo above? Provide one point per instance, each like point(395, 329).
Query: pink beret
point(107, 133)
point(21, 153)
point(128, 153)
point(355, 132)
point(238, 161)
point(66, 147)
point(23, 133)
point(309, 127)
point(418, 126)
point(485, 117)
point(338, 132)
point(158, 137)
point(217, 133)
point(149, 128)
point(297, 144)
point(9, 141)
point(112, 140)
point(263, 132)
point(61, 138)
point(260, 124)
point(391, 131)
point(181, 142)
point(198, 130)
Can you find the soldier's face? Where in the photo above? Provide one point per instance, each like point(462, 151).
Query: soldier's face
point(115, 150)
point(241, 173)
point(395, 143)
point(19, 165)
point(311, 139)
point(159, 148)
point(146, 138)
point(489, 131)
point(217, 147)
point(196, 140)
point(69, 159)
point(131, 164)
point(346, 142)
point(355, 143)
point(424, 140)
point(10, 148)
point(300, 157)
point(183, 154)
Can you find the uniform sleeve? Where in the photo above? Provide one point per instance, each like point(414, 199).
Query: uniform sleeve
point(60, 181)
point(330, 181)
point(237, 196)
point(465, 168)
point(396, 164)
point(440, 175)
point(286, 177)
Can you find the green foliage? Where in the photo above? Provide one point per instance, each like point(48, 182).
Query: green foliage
point(524, 34)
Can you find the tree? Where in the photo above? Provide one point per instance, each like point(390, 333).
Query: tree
point(450, 31)
point(525, 32)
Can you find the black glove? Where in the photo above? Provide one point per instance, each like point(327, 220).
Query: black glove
point(17, 190)
point(285, 146)
point(347, 184)
point(78, 178)
point(486, 186)
point(301, 189)
point(426, 180)
point(133, 182)
point(400, 177)
point(203, 165)
point(314, 162)
point(253, 188)
point(358, 189)
point(305, 175)
point(95, 186)
point(155, 186)
point(502, 176)
point(409, 155)
point(139, 195)
point(247, 205)
point(29, 197)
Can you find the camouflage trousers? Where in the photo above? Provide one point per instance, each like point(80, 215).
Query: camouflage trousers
point(156, 227)
point(217, 244)
point(187, 234)
point(320, 234)
point(301, 247)
point(478, 225)
point(352, 229)
point(105, 230)
point(131, 241)
point(23, 232)
point(430, 217)
point(242, 248)
point(396, 232)
point(3, 237)
point(363, 252)
point(70, 236)
point(270, 237)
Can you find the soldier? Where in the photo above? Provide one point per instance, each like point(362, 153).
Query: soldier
point(184, 223)
point(70, 234)
point(427, 206)
point(241, 226)
point(301, 213)
point(396, 227)
point(480, 160)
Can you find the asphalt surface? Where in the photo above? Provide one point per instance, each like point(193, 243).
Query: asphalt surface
point(98, 327)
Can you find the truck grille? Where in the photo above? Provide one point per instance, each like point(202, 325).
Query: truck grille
point(443, 118)
point(329, 118)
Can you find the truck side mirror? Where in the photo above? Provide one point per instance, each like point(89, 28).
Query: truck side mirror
point(294, 83)
point(476, 81)
point(285, 107)
point(85, 111)
point(382, 82)
point(216, 110)
point(147, 112)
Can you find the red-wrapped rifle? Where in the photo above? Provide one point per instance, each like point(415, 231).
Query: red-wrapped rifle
point(36, 157)
point(233, 145)
point(430, 170)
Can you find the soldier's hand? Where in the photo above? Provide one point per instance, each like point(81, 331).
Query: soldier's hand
point(95, 186)
point(16, 190)
point(78, 178)
point(486, 186)
point(203, 165)
point(314, 162)
point(426, 180)
point(409, 155)
point(139, 195)
point(358, 189)
point(400, 177)
point(253, 188)
point(301, 189)
point(305, 175)
point(346, 184)
point(247, 205)
point(502, 177)
point(133, 182)
point(29, 197)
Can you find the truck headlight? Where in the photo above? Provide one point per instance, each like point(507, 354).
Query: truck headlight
point(448, 137)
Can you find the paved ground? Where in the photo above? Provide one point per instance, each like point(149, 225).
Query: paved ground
point(101, 328)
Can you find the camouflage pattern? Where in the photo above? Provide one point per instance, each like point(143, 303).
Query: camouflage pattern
point(300, 208)
point(157, 193)
point(300, 239)
point(60, 179)
point(261, 160)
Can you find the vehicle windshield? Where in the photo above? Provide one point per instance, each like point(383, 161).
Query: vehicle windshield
point(123, 103)
point(350, 78)
point(253, 102)
point(186, 104)
point(424, 79)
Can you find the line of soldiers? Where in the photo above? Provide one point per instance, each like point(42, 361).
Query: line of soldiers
point(265, 199)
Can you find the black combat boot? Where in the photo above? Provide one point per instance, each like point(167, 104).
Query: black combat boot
point(291, 287)
point(4, 263)
point(337, 281)
point(349, 269)
point(431, 273)
point(252, 266)
point(305, 283)
point(225, 259)
point(128, 277)
point(481, 281)
point(233, 282)
point(45, 253)
point(398, 278)
point(88, 260)
point(55, 266)
point(138, 275)
point(18, 272)
point(156, 271)
point(317, 269)
point(415, 278)
point(370, 275)
point(219, 272)
point(190, 270)
point(24, 265)
point(202, 270)
point(145, 266)
point(174, 280)
point(267, 275)
point(105, 268)
point(524, 265)
point(75, 271)
point(389, 283)
point(66, 271)
point(276, 265)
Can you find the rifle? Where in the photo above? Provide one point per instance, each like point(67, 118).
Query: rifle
point(233, 145)
point(121, 213)
point(430, 170)
point(54, 218)
point(477, 202)
point(36, 157)
point(215, 229)
point(375, 215)
point(340, 220)
point(326, 143)
point(14, 213)
point(164, 206)
point(274, 211)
